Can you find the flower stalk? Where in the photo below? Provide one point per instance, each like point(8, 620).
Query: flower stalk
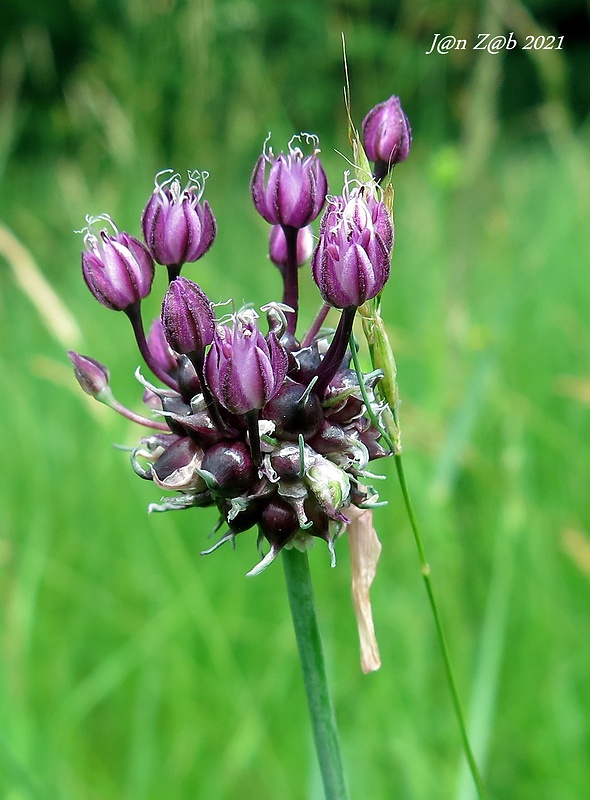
point(309, 643)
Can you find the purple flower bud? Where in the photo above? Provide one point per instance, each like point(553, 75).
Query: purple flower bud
point(92, 376)
point(351, 262)
point(243, 369)
point(176, 225)
point(187, 317)
point(294, 190)
point(118, 268)
point(159, 347)
point(277, 246)
point(387, 135)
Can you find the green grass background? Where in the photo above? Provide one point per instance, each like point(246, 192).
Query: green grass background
point(132, 668)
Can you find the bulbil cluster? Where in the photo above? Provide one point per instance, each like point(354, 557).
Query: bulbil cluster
point(272, 427)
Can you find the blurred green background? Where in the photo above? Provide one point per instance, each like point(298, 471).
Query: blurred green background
point(132, 668)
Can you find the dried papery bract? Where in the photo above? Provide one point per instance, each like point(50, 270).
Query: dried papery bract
point(365, 549)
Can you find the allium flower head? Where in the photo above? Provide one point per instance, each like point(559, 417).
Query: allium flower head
point(351, 262)
point(387, 135)
point(176, 225)
point(243, 369)
point(117, 267)
point(289, 189)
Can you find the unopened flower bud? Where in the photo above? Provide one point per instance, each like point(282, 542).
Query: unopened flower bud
point(176, 225)
point(92, 376)
point(187, 316)
point(387, 135)
point(118, 268)
point(294, 190)
point(159, 347)
point(277, 246)
point(351, 262)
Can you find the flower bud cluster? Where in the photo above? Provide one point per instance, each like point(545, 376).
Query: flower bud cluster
point(274, 430)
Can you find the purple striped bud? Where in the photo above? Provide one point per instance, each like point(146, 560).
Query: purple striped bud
point(92, 376)
point(351, 262)
point(177, 227)
point(277, 246)
point(243, 369)
point(387, 135)
point(187, 316)
point(118, 268)
point(293, 191)
point(159, 347)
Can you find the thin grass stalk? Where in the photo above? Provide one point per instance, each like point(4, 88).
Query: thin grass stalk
point(425, 569)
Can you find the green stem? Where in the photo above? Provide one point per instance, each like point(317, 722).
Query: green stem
point(425, 569)
point(309, 643)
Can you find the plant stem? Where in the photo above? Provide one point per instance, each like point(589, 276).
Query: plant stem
point(291, 277)
point(316, 325)
point(425, 569)
point(309, 643)
point(333, 359)
point(133, 312)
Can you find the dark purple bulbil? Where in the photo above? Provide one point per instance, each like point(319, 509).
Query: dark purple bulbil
point(270, 427)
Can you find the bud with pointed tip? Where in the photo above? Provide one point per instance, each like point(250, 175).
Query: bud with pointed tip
point(159, 347)
point(187, 317)
point(387, 135)
point(92, 376)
